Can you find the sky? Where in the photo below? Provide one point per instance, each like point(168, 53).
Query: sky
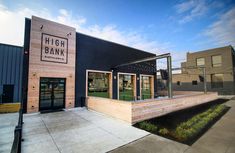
point(156, 26)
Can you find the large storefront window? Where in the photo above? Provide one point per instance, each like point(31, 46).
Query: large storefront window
point(146, 85)
point(126, 87)
point(99, 84)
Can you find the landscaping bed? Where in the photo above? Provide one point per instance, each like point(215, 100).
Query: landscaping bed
point(188, 125)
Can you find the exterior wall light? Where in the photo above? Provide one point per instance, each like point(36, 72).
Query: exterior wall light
point(69, 34)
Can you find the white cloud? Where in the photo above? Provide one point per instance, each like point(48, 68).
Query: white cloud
point(12, 31)
point(191, 9)
point(222, 32)
point(12, 28)
point(12, 22)
point(185, 6)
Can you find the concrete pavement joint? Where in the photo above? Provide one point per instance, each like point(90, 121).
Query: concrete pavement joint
point(50, 135)
point(130, 142)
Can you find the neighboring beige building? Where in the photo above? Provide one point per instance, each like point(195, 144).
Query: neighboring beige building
point(220, 66)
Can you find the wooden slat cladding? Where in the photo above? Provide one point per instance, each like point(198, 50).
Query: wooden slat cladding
point(147, 110)
point(38, 68)
point(133, 112)
point(115, 108)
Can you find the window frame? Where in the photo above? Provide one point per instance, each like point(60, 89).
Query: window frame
point(201, 58)
point(151, 84)
point(216, 63)
point(110, 81)
point(134, 88)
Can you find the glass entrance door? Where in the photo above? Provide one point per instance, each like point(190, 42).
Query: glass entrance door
point(52, 93)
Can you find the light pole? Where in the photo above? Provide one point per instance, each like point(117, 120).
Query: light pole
point(204, 81)
point(169, 69)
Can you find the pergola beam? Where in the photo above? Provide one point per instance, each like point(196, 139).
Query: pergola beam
point(144, 60)
point(169, 68)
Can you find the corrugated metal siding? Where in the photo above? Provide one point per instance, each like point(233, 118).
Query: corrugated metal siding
point(11, 64)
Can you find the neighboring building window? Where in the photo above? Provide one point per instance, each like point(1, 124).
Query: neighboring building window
point(217, 81)
point(98, 84)
point(194, 82)
point(216, 61)
point(200, 61)
point(126, 87)
point(178, 83)
point(201, 78)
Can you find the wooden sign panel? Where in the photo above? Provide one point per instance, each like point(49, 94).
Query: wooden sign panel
point(54, 49)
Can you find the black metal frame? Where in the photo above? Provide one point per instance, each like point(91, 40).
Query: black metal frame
point(51, 108)
point(16, 146)
point(25, 72)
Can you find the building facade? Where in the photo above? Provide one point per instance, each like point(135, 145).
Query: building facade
point(219, 64)
point(59, 68)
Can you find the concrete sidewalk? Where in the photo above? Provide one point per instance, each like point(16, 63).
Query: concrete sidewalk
point(80, 130)
point(219, 139)
point(8, 122)
point(76, 130)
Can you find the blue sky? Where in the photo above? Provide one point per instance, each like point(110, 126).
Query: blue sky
point(155, 26)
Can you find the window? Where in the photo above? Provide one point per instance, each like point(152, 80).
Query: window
point(194, 82)
point(201, 78)
point(7, 93)
point(99, 84)
point(217, 81)
point(178, 83)
point(200, 61)
point(126, 87)
point(216, 61)
point(146, 87)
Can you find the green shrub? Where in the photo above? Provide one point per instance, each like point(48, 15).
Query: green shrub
point(188, 129)
point(194, 125)
point(163, 131)
point(181, 133)
point(148, 126)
